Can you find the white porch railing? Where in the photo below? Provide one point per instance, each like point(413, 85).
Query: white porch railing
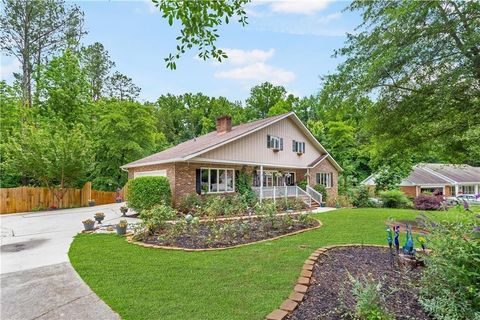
point(283, 192)
point(316, 196)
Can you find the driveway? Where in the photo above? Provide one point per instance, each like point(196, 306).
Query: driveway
point(37, 280)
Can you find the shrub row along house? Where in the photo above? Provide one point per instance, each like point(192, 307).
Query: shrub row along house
point(277, 153)
point(438, 179)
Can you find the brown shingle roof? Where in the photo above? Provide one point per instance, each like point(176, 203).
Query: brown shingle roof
point(461, 173)
point(419, 176)
point(201, 143)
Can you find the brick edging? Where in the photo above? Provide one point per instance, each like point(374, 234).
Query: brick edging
point(304, 281)
point(154, 246)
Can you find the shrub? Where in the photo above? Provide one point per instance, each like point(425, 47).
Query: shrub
point(320, 188)
point(394, 199)
point(449, 284)
point(426, 202)
point(362, 198)
point(302, 184)
point(191, 203)
point(146, 192)
point(370, 302)
point(243, 185)
point(156, 217)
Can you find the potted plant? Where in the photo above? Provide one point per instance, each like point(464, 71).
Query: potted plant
point(99, 216)
point(88, 224)
point(122, 227)
point(118, 199)
point(123, 210)
point(91, 203)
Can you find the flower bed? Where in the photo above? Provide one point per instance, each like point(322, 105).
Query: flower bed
point(196, 234)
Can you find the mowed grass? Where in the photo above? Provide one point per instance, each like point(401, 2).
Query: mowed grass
point(242, 283)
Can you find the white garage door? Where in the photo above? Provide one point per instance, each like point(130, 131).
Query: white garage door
point(154, 173)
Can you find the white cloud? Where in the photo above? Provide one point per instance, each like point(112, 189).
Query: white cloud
point(7, 69)
point(242, 57)
point(329, 18)
point(258, 72)
point(148, 7)
point(307, 7)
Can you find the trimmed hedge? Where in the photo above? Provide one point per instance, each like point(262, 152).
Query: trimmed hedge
point(394, 199)
point(144, 193)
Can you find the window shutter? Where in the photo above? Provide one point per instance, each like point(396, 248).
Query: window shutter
point(268, 141)
point(281, 143)
point(303, 148)
point(294, 146)
point(237, 173)
point(198, 181)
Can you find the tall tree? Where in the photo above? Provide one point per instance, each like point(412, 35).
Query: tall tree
point(421, 61)
point(64, 89)
point(262, 98)
point(121, 87)
point(31, 30)
point(200, 20)
point(96, 63)
point(125, 132)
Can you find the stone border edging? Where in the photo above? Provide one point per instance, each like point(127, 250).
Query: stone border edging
point(304, 281)
point(154, 246)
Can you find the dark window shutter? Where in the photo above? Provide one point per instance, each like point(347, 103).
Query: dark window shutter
point(198, 181)
point(294, 146)
point(268, 141)
point(303, 147)
point(281, 143)
point(237, 173)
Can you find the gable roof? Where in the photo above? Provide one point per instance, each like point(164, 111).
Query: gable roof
point(196, 146)
point(437, 174)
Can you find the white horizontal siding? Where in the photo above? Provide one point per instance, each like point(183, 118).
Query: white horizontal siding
point(253, 147)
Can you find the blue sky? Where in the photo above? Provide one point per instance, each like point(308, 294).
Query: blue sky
point(289, 43)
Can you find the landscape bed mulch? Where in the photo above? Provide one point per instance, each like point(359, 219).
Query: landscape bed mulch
point(257, 231)
point(330, 293)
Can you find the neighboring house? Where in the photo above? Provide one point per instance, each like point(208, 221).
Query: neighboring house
point(440, 179)
point(278, 152)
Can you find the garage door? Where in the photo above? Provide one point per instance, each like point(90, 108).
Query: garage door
point(154, 173)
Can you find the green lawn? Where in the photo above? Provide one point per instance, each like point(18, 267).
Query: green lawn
point(242, 283)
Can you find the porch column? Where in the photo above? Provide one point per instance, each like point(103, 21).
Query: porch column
point(456, 190)
point(261, 183)
point(476, 189)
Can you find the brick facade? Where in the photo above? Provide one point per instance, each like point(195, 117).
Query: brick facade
point(326, 166)
point(182, 175)
point(410, 191)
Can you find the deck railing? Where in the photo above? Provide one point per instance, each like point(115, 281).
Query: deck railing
point(316, 196)
point(279, 192)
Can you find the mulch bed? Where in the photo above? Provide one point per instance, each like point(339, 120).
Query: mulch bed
point(329, 296)
point(201, 236)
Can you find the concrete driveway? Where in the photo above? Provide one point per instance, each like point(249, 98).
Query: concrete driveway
point(37, 280)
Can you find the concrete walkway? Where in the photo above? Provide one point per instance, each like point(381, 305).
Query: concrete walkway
point(37, 280)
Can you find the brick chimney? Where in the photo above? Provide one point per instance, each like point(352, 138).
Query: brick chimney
point(224, 124)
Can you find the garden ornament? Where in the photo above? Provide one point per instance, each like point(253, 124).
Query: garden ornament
point(389, 238)
point(422, 239)
point(188, 218)
point(397, 234)
point(408, 247)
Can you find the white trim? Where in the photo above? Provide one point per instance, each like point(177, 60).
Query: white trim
point(127, 166)
point(328, 179)
point(150, 173)
point(202, 160)
point(328, 156)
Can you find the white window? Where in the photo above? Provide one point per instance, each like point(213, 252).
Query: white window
point(217, 180)
point(298, 146)
point(153, 173)
point(324, 178)
point(466, 189)
point(274, 143)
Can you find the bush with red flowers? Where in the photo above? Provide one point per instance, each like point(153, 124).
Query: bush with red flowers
point(426, 202)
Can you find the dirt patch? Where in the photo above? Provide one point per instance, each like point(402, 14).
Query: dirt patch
point(330, 294)
point(227, 233)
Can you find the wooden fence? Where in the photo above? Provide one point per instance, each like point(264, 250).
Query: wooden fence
point(24, 199)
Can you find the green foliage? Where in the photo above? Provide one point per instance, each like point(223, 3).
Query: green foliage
point(362, 198)
point(121, 87)
point(216, 206)
point(424, 73)
point(65, 154)
point(320, 188)
point(191, 203)
point(243, 185)
point(156, 217)
point(450, 287)
point(199, 21)
point(262, 98)
point(394, 199)
point(390, 173)
point(302, 184)
point(370, 301)
point(96, 63)
point(146, 192)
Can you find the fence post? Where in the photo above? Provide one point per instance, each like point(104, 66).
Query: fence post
point(86, 193)
point(274, 200)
